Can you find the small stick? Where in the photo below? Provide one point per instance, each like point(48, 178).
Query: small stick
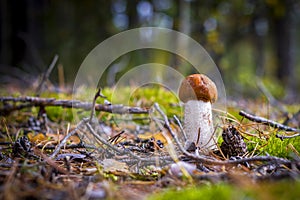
point(115, 138)
point(98, 94)
point(71, 146)
point(267, 122)
point(46, 76)
point(180, 126)
point(287, 136)
point(50, 162)
point(167, 125)
point(61, 77)
point(63, 142)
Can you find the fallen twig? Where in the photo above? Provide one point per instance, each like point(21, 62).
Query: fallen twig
point(287, 136)
point(180, 126)
point(98, 94)
point(267, 122)
point(63, 142)
point(69, 146)
point(50, 162)
point(29, 101)
point(46, 76)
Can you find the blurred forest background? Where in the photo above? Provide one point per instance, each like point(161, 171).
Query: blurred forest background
point(249, 40)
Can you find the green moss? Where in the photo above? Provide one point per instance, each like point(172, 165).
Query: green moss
point(145, 97)
point(274, 146)
point(276, 190)
point(219, 191)
point(264, 190)
point(59, 113)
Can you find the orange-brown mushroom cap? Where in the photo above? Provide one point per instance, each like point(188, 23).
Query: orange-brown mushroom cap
point(198, 87)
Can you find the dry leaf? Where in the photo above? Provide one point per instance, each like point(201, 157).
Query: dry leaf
point(112, 165)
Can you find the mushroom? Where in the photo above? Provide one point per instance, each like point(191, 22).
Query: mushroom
point(198, 92)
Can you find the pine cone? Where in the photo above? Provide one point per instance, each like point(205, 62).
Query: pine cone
point(233, 144)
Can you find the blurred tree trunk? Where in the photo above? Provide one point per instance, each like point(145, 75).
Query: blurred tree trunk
point(21, 32)
point(132, 14)
point(284, 40)
point(259, 55)
point(18, 25)
point(5, 27)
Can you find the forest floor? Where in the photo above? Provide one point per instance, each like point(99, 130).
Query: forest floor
point(137, 152)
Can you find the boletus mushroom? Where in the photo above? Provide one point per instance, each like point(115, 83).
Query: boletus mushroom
point(198, 92)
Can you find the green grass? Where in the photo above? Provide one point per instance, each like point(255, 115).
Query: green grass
point(279, 190)
point(209, 192)
point(274, 146)
point(145, 97)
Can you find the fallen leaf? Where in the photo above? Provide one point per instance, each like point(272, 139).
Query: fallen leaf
point(111, 165)
point(36, 138)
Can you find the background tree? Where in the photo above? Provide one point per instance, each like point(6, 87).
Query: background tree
point(246, 39)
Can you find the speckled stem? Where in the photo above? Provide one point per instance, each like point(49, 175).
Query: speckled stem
point(198, 114)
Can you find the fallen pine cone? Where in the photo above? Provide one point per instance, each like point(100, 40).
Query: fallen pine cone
point(233, 143)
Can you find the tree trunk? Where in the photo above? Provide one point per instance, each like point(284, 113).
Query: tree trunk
point(284, 40)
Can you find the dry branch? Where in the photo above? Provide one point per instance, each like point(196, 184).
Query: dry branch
point(267, 122)
point(28, 101)
point(98, 94)
point(287, 136)
point(46, 76)
point(64, 141)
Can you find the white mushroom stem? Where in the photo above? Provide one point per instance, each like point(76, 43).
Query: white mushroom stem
point(198, 114)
